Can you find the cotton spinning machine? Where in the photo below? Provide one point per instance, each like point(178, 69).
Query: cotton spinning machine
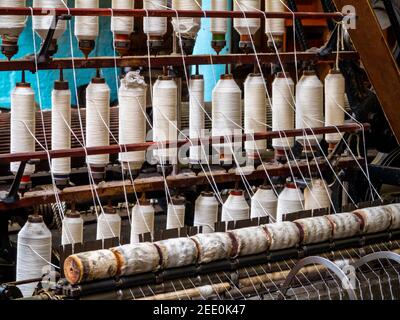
point(276, 177)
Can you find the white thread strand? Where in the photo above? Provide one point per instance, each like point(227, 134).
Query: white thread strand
point(108, 226)
point(290, 200)
point(274, 27)
point(246, 26)
point(142, 221)
point(165, 102)
point(206, 212)
point(196, 116)
point(317, 196)
point(122, 25)
point(33, 254)
point(132, 122)
point(264, 203)
point(175, 216)
point(235, 208)
point(86, 27)
point(72, 230)
point(219, 25)
point(309, 106)
point(334, 104)
point(282, 111)
point(226, 112)
point(255, 112)
point(12, 26)
point(186, 27)
point(154, 26)
point(42, 24)
point(22, 124)
point(60, 134)
point(97, 112)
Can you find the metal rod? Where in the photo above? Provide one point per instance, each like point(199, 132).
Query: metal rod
point(115, 149)
point(160, 61)
point(106, 12)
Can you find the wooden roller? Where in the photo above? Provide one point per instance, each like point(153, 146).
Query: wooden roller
point(91, 265)
point(177, 252)
point(137, 258)
point(395, 214)
point(252, 240)
point(314, 230)
point(283, 235)
point(215, 246)
point(374, 219)
point(345, 225)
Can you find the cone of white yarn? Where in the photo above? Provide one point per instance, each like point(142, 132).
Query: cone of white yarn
point(283, 109)
point(155, 26)
point(132, 120)
point(275, 27)
point(97, 119)
point(72, 228)
point(108, 224)
point(186, 27)
point(235, 207)
point(12, 26)
point(206, 211)
point(317, 195)
point(334, 104)
point(165, 116)
point(309, 107)
point(219, 25)
point(255, 113)
point(290, 200)
point(226, 112)
point(33, 253)
point(142, 220)
point(22, 124)
point(196, 116)
point(176, 213)
point(60, 126)
point(264, 203)
point(122, 25)
point(244, 26)
point(86, 27)
point(42, 24)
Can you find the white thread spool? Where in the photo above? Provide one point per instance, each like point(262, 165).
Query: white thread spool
point(186, 27)
point(60, 126)
point(196, 116)
point(317, 196)
point(176, 213)
point(155, 27)
point(108, 224)
point(142, 220)
point(86, 27)
point(246, 27)
point(309, 107)
point(72, 228)
point(165, 116)
point(275, 27)
point(282, 110)
point(122, 25)
point(226, 113)
point(334, 104)
point(235, 207)
point(255, 113)
point(97, 119)
point(33, 253)
point(219, 25)
point(206, 211)
point(264, 203)
point(12, 26)
point(290, 200)
point(132, 120)
point(42, 24)
point(22, 124)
